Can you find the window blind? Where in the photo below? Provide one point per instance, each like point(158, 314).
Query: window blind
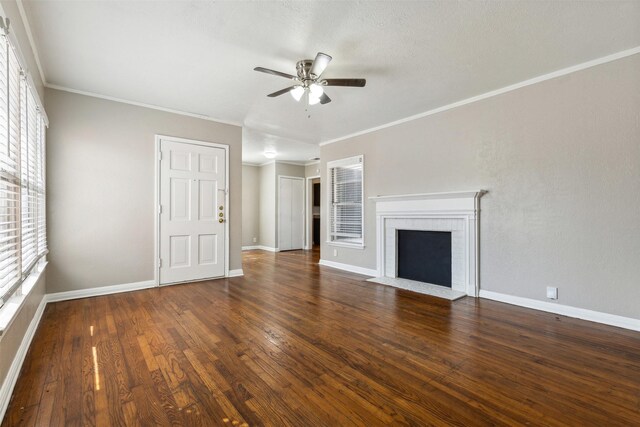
point(22, 186)
point(346, 201)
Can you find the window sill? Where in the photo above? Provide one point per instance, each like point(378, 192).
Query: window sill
point(346, 245)
point(12, 307)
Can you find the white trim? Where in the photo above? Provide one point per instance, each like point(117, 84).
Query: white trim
point(345, 162)
point(14, 370)
point(142, 104)
point(461, 206)
point(565, 310)
point(102, 290)
point(542, 78)
point(308, 213)
point(267, 248)
point(284, 162)
point(225, 147)
point(235, 273)
point(348, 267)
point(250, 248)
point(424, 196)
point(312, 162)
point(32, 43)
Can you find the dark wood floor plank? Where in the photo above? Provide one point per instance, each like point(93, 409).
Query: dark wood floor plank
point(293, 343)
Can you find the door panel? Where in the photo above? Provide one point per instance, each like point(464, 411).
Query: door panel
point(192, 197)
point(180, 199)
point(207, 249)
point(207, 200)
point(291, 213)
point(297, 213)
point(180, 254)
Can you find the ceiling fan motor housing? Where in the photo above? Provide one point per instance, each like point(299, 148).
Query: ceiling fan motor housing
point(303, 68)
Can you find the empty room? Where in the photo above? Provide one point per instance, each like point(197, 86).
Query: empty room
point(319, 213)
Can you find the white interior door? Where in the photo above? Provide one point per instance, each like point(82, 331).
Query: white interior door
point(192, 212)
point(291, 213)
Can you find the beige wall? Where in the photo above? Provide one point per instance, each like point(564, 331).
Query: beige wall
point(312, 170)
point(561, 162)
point(100, 177)
point(13, 336)
point(268, 205)
point(250, 205)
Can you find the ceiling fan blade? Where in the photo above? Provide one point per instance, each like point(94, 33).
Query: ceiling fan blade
point(274, 72)
point(319, 64)
point(281, 92)
point(324, 99)
point(346, 82)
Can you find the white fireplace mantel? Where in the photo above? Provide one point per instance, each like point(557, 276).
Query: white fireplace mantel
point(457, 212)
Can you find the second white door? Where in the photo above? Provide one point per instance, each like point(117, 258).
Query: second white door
point(290, 213)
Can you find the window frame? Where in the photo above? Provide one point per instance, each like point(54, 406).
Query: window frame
point(12, 296)
point(344, 163)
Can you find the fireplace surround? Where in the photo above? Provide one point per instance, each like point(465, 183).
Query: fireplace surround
point(454, 212)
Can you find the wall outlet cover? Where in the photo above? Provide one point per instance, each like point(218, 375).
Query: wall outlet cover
point(335, 252)
point(552, 293)
point(255, 239)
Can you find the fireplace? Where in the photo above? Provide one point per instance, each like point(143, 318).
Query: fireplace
point(429, 243)
point(424, 256)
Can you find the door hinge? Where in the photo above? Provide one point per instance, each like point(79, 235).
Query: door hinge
point(159, 208)
point(160, 155)
point(160, 262)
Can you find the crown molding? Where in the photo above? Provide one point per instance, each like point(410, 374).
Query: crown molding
point(141, 104)
point(529, 82)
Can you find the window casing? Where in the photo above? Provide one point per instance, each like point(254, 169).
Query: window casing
point(22, 175)
point(346, 202)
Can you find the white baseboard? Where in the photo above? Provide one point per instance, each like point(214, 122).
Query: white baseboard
point(267, 248)
point(236, 273)
point(103, 290)
point(565, 310)
point(349, 267)
point(14, 371)
point(250, 248)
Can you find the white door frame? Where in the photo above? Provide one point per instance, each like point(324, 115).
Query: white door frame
point(308, 212)
point(156, 243)
point(278, 207)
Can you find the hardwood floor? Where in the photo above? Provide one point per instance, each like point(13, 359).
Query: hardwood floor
point(292, 343)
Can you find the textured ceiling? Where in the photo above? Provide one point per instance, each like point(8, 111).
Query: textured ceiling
point(198, 56)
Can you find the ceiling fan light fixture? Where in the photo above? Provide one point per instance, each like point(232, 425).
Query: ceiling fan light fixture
point(270, 154)
point(316, 90)
point(297, 93)
point(313, 100)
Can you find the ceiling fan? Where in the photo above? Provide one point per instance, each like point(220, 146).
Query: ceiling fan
point(308, 80)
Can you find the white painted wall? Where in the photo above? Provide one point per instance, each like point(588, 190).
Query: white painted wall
point(561, 161)
point(100, 177)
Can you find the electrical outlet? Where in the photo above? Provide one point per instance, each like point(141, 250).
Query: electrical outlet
point(552, 293)
point(335, 252)
point(255, 239)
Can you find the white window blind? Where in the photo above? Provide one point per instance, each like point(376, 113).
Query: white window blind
point(22, 187)
point(346, 201)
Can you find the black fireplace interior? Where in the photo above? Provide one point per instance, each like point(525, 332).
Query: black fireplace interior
point(425, 256)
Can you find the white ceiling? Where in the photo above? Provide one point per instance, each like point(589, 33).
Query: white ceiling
point(198, 56)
